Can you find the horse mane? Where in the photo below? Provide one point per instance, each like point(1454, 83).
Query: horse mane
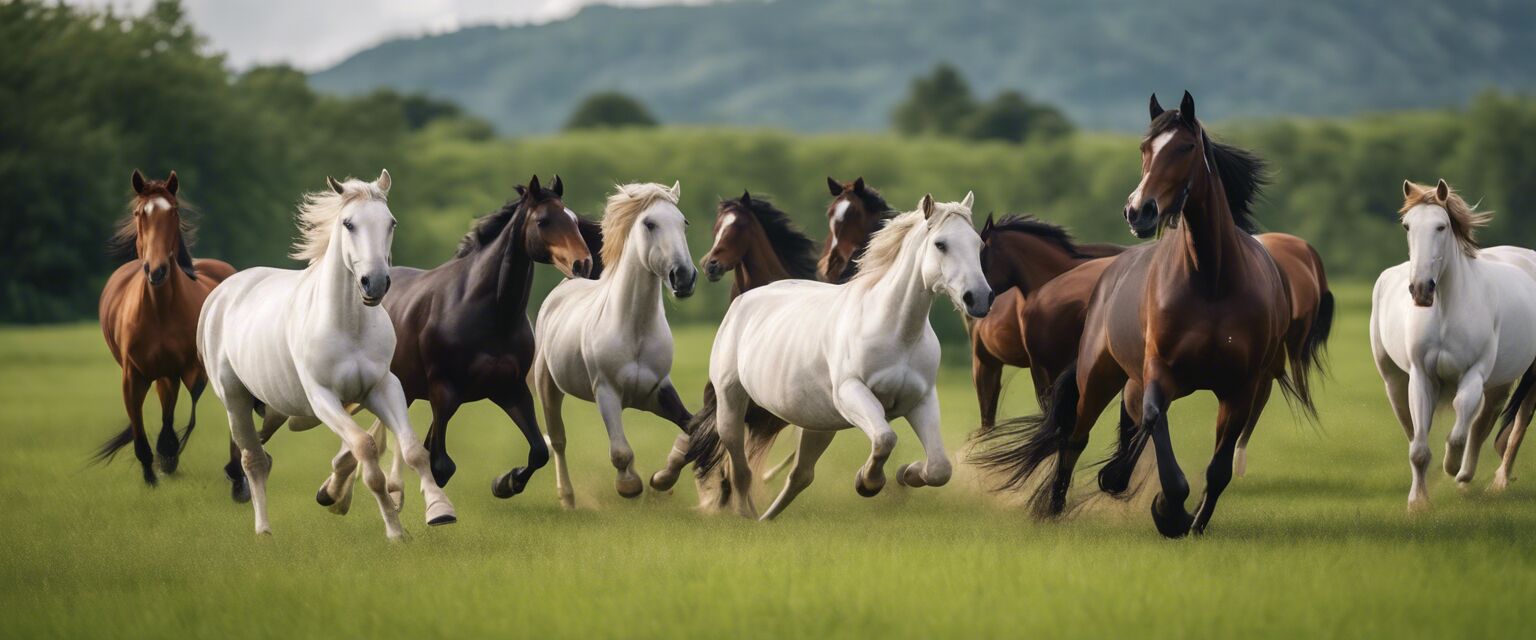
point(318, 214)
point(621, 210)
point(795, 250)
point(1027, 224)
point(490, 225)
point(876, 204)
point(1465, 218)
point(1243, 174)
point(885, 245)
point(124, 243)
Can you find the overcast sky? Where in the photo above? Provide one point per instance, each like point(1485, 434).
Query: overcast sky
point(314, 34)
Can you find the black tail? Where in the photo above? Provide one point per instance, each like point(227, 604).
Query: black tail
point(109, 449)
point(1512, 410)
point(1015, 448)
point(705, 450)
point(1309, 355)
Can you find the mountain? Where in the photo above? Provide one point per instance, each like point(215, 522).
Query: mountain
point(818, 65)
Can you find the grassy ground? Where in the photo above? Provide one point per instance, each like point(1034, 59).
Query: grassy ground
point(1314, 541)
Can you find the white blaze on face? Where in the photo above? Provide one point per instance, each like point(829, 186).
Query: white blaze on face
point(839, 211)
point(725, 223)
point(1157, 147)
point(157, 204)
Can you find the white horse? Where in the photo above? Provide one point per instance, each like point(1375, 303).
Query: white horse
point(607, 341)
point(309, 343)
point(829, 357)
point(1454, 321)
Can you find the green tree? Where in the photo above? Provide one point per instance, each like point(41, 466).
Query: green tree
point(609, 109)
point(939, 103)
point(1013, 117)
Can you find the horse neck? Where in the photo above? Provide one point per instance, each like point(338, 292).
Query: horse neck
point(760, 265)
point(503, 270)
point(898, 298)
point(334, 296)
point(1208, 240)
point(1036, 262)
point(1453, 281)
point(633, 293)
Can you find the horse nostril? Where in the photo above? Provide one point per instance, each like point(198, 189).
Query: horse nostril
point(386, 283)
point(970, 300)
point(365, 282)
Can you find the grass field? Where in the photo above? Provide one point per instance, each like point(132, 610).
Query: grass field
point(1315, 541)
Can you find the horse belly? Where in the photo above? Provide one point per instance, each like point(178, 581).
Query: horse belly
point(795, 387)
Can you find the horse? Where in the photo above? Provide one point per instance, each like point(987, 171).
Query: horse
point(1204, 307)
point(462, 328)
point(607, 341)
point(857, 211)
point(759, 245)
point(1454, 319)
point(830, 357)
point(307, 344)
point(149, 319)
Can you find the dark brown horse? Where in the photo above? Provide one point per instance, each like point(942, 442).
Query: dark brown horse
point(856, 211)
point(149, 311)
point(759, 245)
point(1203, 308)
point(462, 329)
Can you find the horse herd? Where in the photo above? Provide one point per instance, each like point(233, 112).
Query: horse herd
point(824, 344)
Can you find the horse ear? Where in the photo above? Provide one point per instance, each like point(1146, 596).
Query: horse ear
point(522, 191)
point(746, 197)
point(1155, 109)
point(1442, 191)
point(184, 258)
point(172, 184)
point(969, 200)
point(676, 190)
point(335, 186)
point(1187, 108)
point(1407, 189)
point(986, 227)
point(858, 185)
point(558, 187)
point(138, 182)
point(384, 181)
point(926, 205)
point(533, 187)
point(832, 185)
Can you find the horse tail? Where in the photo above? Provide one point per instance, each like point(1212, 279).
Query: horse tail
point(705, 450)
point(763, 430)
point(1512, 410)
point(1305, 355)
point(109, 449)
point(1016, 447)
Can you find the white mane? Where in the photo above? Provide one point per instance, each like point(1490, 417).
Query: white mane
point(317, 216)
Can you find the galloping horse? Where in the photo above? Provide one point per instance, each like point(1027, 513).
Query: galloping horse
point(828, 357)
point(760, 245)
point(607, 341)
point(1203, 308)
point(149, 318)
point(308, 344)
point(856, 212)
point(1454, 317)
point(462, 328)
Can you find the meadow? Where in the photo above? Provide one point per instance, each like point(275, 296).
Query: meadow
point(1314, 542)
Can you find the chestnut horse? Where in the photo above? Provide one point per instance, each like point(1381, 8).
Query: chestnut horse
point(1204, 307)
point(149, 318)
point(462, 330)
point(856, 212)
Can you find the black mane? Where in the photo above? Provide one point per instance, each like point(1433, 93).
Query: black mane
point(488, 226)
point(1031, 225)
point(1243, 174)
point(795, 250)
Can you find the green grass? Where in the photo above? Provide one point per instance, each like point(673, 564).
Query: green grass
point(1315, 541)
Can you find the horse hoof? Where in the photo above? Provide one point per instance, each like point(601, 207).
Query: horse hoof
point(506, 485)
point(149, 477)
point(868, 492)
point(630, 490)
point(442, 520)
point(568, 501)
point(240, 491)
point(660, 482)
point(168, 464)
point(1172, 522)
point(442, 471)
point(1418, 506)
point(324, 497)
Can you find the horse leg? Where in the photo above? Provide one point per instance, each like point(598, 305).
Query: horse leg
point(1115, 475)
point(860, 406)
point(935, 470)
point(364, 450)
point(782, 465)
point(1098, 386)
point(1466, 403)
point(254, 462)
point(1240, 461)
point(135, 388)
point(611, 408)
point(812, 445)
point(1482, 425)
point(1423, 391)
point(670, 407)
point(987, 374)
point(240, 488)
point(167, 444)
point(445, 403)
point(387, 402)
point(552, 398)
point(196, 382)
point(731, 424)
point(1503, 476)
point(519, 407)
point(1168, 507)
point(1232, 421)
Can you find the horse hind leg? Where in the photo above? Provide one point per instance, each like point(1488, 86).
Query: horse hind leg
point(240, 488)
point(168, 445)
point(1512, 439)
point(731, 424)
point(1240, 456)
point(812, 445)
point(519, 408)
point(1232, 421)
point(552, 400)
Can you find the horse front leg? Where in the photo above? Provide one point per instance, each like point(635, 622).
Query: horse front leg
point(1466, 405)
point(611, 408)
point(387, 401)
point(1482, 425)
point(860, 406)
point(444, 403)
point(168, 445)
point(1233, 420)
point(518, 406)
point(135, 388)
point(364, 450)
point(1168, 507)
point(935, 470)
point(670, 407)
point(1423, 391)
point(987, 375)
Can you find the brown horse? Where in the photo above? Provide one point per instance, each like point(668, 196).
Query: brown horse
point(856, 212)
point(759, 245)
point(1204, 307)
point(149, 311)
point(462, 329)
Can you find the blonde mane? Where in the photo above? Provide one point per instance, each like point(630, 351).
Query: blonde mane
point(624, 206)
point(1465, 218)
point(885, 245)
point(319, 212)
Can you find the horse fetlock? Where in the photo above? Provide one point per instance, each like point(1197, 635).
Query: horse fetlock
point(622, 458)
point(1418, 454)
point(882, 444)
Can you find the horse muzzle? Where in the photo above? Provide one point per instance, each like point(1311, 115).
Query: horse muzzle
point(582, 268)
point(373, 288)
point(1142, 220)
point(682, 279)
point(977, 304)
point(713, 270)
point(1423, 293)
point(157, 274)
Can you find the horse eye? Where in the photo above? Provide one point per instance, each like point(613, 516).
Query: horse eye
point(1440, 228)
point(941, 246)
point(347, 224)
point(650, 226)
point(1405, 226)
point(543, 222)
